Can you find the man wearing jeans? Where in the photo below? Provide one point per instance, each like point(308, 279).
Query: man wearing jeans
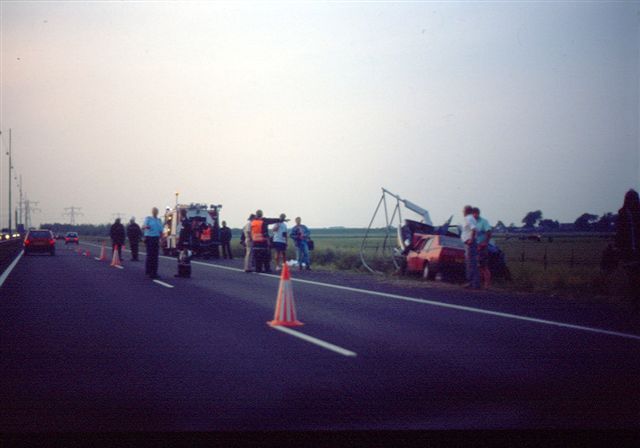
point(468, 237)
point(152, 230)
point(300, 235)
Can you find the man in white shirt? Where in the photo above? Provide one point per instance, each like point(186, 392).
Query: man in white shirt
point(152, 232)
point(245, 240)
point(483, 238)
point(468, 237)
point(279, 238)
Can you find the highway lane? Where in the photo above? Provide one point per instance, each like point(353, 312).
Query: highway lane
point(88, 347)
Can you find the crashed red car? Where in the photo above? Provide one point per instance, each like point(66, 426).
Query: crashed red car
point(431, 255)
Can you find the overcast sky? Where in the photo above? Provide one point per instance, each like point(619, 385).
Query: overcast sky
point(310, 108)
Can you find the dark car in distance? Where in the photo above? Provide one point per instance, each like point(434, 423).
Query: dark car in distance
point(39, 241)
point(71, 237)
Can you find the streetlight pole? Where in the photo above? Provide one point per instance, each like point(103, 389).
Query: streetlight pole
point(10, 168)
point(20, 204)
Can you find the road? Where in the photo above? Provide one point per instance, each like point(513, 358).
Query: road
point(87, 347)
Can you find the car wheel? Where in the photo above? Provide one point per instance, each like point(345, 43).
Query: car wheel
point(427, 272)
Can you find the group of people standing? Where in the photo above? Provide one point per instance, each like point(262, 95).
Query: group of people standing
point(258, 240)
point(259, 237)
point(476, 236)
point(151, 230)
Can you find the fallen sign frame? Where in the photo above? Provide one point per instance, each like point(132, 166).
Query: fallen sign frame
point(388, 249)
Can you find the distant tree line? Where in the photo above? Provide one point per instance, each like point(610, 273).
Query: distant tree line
point(586, 222)
point(82, 229)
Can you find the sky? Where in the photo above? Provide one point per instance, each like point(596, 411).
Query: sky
point(309, 108)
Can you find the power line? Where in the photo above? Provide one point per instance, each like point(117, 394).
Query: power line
point(29, 207)
point(72, 212)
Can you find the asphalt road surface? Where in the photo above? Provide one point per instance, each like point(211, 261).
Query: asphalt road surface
point(88, 347)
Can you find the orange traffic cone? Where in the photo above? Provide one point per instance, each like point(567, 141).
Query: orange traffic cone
point(115, 261)
point(285, 314)
point(102, 254)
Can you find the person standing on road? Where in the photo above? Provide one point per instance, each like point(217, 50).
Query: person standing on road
point(152, 227)
point(627, 241)
point(184, 245)
point(260, 241)
point(117, 237)
point(300, 235)
point(225, 240)
point(483, 238)
point(279, 238)
point(134, 234)
point(245, 240)
point(468, 237)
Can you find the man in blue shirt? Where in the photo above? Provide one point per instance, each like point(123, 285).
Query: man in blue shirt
point(300, 235)
point(152, 231)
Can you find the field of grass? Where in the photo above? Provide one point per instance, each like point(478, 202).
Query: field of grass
point(572, 265)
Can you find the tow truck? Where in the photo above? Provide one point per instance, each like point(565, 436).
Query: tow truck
point(205, 229)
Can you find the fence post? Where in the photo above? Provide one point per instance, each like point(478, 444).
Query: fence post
point(545, 258)
point(522, 256)
point(571, 260)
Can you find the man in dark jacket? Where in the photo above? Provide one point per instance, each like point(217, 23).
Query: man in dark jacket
point(627, 240)
point(117, 237)
point(134, 234)
point(225, 240)
point(185, 242)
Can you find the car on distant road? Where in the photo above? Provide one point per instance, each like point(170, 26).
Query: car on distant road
point(39, 241)
point(435, 254)
point(5, 234)
point(71, 237)
point(59, 236)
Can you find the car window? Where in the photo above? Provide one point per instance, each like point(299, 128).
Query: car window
point(40, 234)
point(429, 243)
point(424, 244)
point(454, 243)
point(71, 234)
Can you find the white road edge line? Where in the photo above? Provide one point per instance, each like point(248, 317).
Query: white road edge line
point(442, 304)
point(318, 342)
point(160, 282)
point(7, 271)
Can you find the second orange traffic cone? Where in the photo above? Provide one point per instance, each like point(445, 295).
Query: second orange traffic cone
point(115, 261)
point(285, 314)
point(102, 254)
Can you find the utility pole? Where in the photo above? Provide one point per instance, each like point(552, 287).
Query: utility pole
point(20, 205)
point(10, 168)
point(29, 207)
point(72, 212)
